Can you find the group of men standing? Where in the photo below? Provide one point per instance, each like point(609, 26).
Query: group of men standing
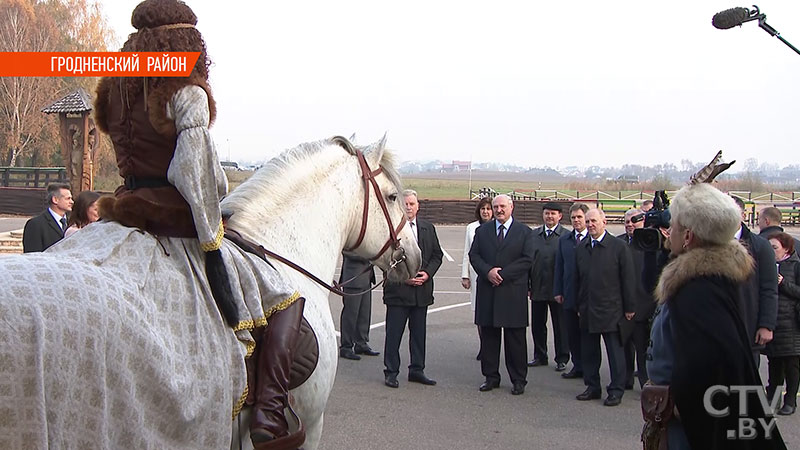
point(584, 278)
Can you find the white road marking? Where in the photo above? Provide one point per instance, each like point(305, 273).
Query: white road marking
point(447, 255)
point(430, 311)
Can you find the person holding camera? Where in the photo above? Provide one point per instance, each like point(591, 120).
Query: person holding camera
point(408, 302)
point(636, 344)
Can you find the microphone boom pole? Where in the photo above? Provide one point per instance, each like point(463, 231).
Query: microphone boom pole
point(737, 16)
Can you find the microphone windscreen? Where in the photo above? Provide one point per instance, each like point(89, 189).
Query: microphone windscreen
point(729, 18)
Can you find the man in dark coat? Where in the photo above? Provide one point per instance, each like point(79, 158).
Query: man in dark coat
point(408, 302)
point(606, 287)
point(545, 239)
point(636, 346)
point(501, 254)
point(565, 288)
point(769, 223)
point(356, 308)
point(48, 227)
point(760, 292)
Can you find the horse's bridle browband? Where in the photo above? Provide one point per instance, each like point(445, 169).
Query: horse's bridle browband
point(368, 176)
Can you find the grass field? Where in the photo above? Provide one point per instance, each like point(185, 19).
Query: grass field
point(458, 189)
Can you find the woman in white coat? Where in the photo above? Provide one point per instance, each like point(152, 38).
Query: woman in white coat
point(483, 213)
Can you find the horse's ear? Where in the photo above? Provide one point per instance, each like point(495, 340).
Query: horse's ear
point(374, 152)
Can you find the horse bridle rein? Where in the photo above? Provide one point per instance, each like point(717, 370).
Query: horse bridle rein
point(368, 177)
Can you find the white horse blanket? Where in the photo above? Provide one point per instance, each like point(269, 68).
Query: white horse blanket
point(111, 339)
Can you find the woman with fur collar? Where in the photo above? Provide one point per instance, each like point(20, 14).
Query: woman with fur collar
point(699, 338)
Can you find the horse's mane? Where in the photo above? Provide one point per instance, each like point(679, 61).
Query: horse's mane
point(295, 170)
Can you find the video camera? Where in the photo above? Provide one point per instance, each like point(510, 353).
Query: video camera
point(649, 238)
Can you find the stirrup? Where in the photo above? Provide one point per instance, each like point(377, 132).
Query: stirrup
point(291, 441)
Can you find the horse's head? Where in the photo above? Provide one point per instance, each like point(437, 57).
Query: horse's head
point(377, 223)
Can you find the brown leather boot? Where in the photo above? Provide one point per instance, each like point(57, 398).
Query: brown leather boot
point(274, 369)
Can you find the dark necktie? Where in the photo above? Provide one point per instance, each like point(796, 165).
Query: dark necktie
point(63, 224)
point(548, 233)
point(500, 234)
point(594, 242)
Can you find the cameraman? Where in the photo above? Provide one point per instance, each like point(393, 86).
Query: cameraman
point(636, 344)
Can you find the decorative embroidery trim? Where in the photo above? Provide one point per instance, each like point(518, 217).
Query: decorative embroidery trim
point(282, 305)
point(216, 243)
point(237, 408)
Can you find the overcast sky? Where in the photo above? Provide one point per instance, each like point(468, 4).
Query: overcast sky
point(526, 82)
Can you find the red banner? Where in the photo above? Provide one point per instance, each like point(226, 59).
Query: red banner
point(97, 64)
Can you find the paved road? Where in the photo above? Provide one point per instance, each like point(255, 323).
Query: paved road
point(12, 223)
point(364, 414)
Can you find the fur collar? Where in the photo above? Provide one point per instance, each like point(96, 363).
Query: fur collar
point(730, 261)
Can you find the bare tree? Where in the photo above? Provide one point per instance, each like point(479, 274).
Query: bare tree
point(21, 98)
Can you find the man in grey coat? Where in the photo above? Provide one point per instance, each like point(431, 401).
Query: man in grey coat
point(545, 240)
point(501, 254)
point(606, 289)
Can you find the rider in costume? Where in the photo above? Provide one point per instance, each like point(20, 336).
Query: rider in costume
point(173, 186)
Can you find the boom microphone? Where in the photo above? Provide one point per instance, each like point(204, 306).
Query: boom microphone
point(730, 18)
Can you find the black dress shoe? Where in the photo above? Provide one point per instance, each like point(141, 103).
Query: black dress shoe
point(488, 386)
point(421, 378)
point(518, 389)
point(786, 410)
point(366, 350)
point(348, 353)
point(536, 362)
point(588, 394)
point(612, 400)
point(572, 374)
point(391, 381)
point(560, 367)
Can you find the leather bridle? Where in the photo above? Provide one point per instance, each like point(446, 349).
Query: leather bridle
point(368, 176)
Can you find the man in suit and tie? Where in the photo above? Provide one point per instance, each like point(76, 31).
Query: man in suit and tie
point(545, 240)
point(48, 227)
point(408, 302)
point(605, 306)
point(565, 287)
point(636, 345)
point(502, 253)
point(359, 276)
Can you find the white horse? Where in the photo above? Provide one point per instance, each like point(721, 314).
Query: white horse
point(72, 330)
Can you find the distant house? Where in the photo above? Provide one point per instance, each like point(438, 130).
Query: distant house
point(630, 179)
point(456, 166)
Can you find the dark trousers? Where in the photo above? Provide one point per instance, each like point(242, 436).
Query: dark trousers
point(784, 368)
point(574, 338)
point(516, 351)
point(593, 357)
point(396, 319)
point(354, 324)
point(636, 348)
point(539, 331)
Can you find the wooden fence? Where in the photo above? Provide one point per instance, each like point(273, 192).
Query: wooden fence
point(31, 177)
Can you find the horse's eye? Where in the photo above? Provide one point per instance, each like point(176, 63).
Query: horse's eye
point(392, 197)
